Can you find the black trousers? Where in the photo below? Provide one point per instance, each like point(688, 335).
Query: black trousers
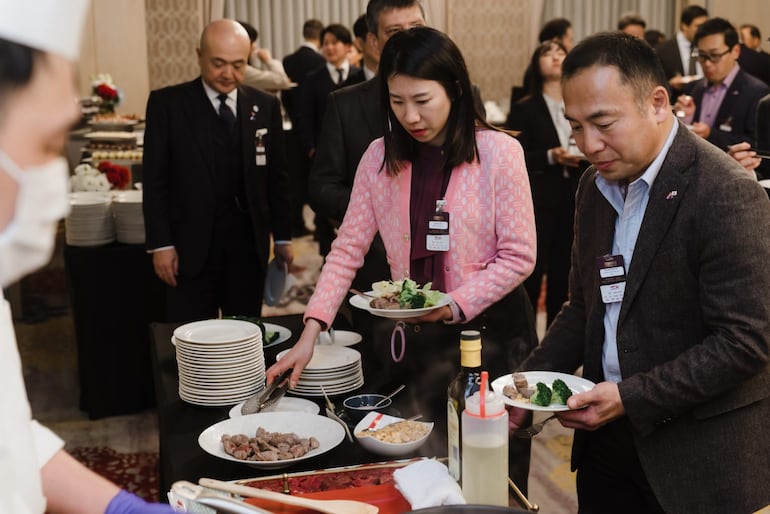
point(610, 478)
point(232, 280)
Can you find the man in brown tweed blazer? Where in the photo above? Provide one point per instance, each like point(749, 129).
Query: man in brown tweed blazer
point(677, 420)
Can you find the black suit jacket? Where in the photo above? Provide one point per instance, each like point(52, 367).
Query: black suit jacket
point(763, 135)
point(537, 134)
point(668, 52)
point(693, 335)
point(313, 95)
point(179, 177)
point(297, 65)
point(736, 118)
point(755, 63)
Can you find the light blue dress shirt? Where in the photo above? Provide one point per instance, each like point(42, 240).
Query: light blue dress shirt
point(630, 202)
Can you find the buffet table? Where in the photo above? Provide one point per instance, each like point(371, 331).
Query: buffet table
point(115, 295)
point(180, 423)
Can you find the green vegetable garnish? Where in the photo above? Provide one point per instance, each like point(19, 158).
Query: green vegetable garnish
point(542, 396)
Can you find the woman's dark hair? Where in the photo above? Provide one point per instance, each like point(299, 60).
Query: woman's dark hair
point(17, 63)
point(536, 83)
point(425, 53)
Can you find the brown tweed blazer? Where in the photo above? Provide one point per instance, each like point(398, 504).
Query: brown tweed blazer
point(693, 332)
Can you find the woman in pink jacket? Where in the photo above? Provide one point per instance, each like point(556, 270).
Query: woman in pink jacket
point(436, 148)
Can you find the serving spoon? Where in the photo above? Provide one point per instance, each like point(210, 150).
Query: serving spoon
point(391, 395)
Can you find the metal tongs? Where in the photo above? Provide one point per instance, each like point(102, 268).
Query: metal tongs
point(269, 396)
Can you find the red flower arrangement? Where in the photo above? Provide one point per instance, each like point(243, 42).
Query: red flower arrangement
point(119, 176)
point(106, 92)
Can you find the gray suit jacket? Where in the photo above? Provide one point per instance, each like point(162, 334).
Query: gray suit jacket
point(693, 332)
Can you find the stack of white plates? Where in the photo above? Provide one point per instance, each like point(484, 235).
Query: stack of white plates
point(220, 361)
point(335, 368)
point(89, 222)
point(129, 220)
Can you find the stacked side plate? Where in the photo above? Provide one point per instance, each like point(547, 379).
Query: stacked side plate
point(89, 222)
point(336, 368)
point(220, 361)
point(129, 220)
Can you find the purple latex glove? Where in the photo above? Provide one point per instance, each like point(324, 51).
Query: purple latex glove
point(127, 503)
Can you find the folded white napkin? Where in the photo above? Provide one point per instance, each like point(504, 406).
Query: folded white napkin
point(427, 483)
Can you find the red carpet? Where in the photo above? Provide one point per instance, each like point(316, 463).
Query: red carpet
point(135, 472)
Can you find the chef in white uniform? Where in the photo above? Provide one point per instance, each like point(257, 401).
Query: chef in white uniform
point(39, 42)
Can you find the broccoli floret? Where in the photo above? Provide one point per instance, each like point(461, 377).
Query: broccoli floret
point(542, 396)
point(561, 391)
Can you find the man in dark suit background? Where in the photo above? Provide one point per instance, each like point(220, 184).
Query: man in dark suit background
point(215, 184)
point(668, 311)
point(753, 59)
point(722, 106)
point(676, 53)
point(336, 41)
point(297, 65)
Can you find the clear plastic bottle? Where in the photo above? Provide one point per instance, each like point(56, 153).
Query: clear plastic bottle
point(485, 448)
point(465, 384)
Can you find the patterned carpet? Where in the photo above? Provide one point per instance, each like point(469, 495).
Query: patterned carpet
point(124, 448)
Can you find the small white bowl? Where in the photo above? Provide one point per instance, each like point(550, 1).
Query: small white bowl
point(374, 445)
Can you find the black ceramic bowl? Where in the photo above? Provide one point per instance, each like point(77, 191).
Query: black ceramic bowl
point(358, 406)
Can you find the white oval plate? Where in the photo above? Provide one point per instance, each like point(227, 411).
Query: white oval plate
point(217, 331)
point(362, 302)
point(285, 404)
point(328, 432)
point(283, 334)
point(328, 357)
point(346, 338)
point(577, 384)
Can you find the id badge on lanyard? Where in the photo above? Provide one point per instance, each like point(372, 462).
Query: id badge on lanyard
point(259, 148)
point(437, 239)
point(612, 278)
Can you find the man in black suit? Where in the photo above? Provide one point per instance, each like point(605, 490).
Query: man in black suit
point(352, 120)
point(336, 41)
point(753, 59)
point(676, 53)
point(722, 106)
point(215, 184)
point(297, 65)
point(301, 62)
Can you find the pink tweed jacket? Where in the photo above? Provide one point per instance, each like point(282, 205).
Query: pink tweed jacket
point(492, 227)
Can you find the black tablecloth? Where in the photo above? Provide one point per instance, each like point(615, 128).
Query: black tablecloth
point(115, 295)
point(180, 423)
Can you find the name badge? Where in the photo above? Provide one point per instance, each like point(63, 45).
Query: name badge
point(261, 158)
point(437, 239)
point(612, 278)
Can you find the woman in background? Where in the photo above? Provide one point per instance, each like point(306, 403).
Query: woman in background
point(38, 43)
point(554, 167)
point(436, 149)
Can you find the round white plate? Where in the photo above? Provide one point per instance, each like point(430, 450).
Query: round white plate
point(765, 183)
point(328, 432)
point(283, 334)
point(329, 357)
point(362, 302)
point(285, 404)
point(217, 331)
point(577, 384)
point(346, 338)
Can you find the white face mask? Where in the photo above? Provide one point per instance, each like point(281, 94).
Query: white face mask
point(27, 242)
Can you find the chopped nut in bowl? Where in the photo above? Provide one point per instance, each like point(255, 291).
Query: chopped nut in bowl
point(391, 436)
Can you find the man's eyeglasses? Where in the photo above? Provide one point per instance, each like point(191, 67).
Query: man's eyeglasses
point(713, 58)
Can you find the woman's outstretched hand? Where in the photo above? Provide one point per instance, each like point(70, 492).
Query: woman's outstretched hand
point(298, 356)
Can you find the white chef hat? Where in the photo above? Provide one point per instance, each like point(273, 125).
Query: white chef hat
point(50, 25)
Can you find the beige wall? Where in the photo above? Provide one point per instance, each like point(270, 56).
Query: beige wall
point(148, 47)
point(115, 42)
point(756, 12)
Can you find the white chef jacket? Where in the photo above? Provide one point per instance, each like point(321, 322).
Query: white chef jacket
point(25, 445)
